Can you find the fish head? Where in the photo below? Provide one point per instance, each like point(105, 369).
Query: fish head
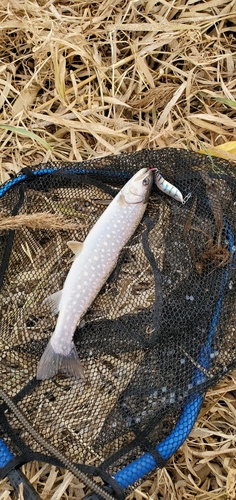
point(138, 188)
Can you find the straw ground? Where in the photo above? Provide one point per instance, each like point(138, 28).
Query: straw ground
point(87, 79)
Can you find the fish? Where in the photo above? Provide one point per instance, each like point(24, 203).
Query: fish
point(167, 187)
point(94, 261)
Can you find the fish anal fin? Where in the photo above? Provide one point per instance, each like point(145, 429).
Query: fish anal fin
point(54, 302)
point(75, 246)
point(52, 363)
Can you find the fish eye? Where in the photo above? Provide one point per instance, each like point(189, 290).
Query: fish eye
point(146, 181)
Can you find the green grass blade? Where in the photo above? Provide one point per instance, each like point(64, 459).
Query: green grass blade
point(224, 100)
point(27, 133)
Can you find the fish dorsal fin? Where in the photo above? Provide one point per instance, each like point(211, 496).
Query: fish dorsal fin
point(54, 302)
point(75, 246)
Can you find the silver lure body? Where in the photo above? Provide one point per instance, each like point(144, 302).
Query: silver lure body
point(167, 187)
point(95, 259)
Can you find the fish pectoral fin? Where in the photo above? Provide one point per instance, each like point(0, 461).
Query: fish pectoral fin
point(54, 302)
point(75, 246)
point(122, 200)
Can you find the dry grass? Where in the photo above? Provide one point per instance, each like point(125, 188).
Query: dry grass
point(88, 79)
point(36, 221)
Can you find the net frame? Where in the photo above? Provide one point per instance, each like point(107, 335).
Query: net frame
point(143, 465)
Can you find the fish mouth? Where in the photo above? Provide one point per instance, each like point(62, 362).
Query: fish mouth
point(141, 176)
point(144, 174)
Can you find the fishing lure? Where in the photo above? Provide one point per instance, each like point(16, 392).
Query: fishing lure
point(166, 186)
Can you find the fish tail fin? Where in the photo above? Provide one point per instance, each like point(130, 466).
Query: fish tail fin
point(53, 362)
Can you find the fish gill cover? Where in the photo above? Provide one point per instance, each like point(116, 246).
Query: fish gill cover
point(159, 334)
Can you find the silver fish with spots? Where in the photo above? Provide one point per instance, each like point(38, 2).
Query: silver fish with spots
point(95, 259)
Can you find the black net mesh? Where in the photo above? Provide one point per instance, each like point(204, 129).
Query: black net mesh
point(160, 332)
